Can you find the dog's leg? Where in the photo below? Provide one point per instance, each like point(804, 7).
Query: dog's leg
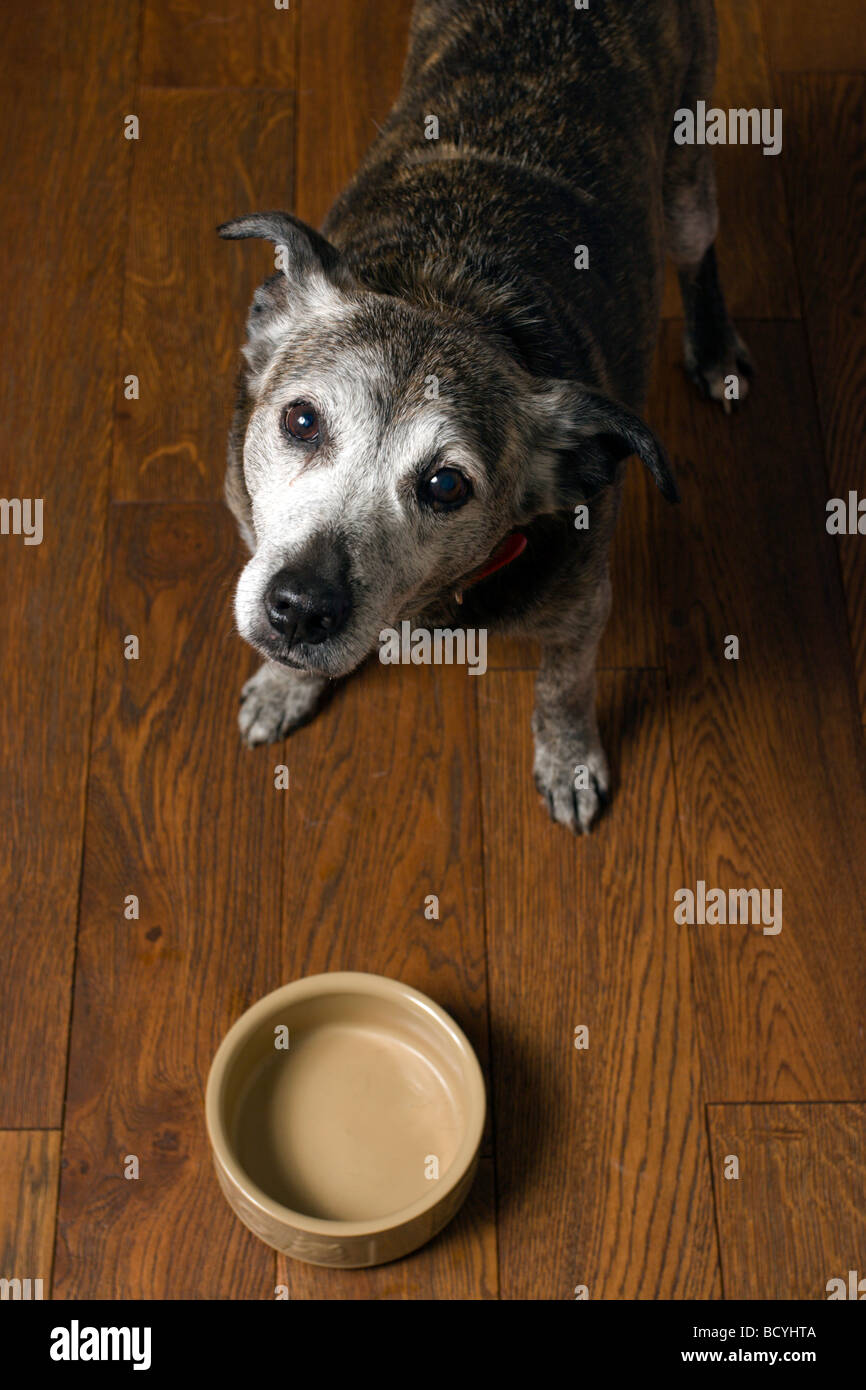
point(716, 358)
point(276, 700)
point(571, 769)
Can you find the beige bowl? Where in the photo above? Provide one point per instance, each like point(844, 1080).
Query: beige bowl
point(345, 1113)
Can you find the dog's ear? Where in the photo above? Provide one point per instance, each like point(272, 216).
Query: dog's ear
point(589, 435)
point(301, 249)
point(303, 256)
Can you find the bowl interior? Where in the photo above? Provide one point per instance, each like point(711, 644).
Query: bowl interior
point(358, 1116)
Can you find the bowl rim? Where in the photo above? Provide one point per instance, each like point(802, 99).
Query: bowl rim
point(344, 982)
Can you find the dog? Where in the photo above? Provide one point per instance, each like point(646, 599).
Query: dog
point(434, 386)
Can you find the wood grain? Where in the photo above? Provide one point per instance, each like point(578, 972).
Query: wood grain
point(384, 813)
point(350, 58)
point(180, 815)
point(29, 1167)
point(218, 43)
point(66, 166)
point(207, 157)
point(754, 242)
point(826, 169)
point(768, 748)
point(805, 37)
point(795, 1217)
point(601, 1153)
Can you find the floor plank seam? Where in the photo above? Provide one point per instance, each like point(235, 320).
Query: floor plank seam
point(487, 992)
point(693, 968)
point(851, 1100)
point(830, 74)
point(822, 428)
point(751, 318)
point(31, 1129)
point(215, 89)
point(125, 232)
point(709, 1149)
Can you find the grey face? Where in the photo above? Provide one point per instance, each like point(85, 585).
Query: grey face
point(381, 461)
point(382, 451)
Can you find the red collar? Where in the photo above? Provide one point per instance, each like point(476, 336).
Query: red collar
point(509, 549)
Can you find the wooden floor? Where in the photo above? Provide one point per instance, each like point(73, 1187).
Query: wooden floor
point(604, 1168)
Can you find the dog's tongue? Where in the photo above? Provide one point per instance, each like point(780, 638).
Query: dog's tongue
point(511, 547)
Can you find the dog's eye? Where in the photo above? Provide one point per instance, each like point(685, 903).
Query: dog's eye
point(301, 421)
point(445, 488)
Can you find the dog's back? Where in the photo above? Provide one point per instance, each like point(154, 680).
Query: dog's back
point(521, 132)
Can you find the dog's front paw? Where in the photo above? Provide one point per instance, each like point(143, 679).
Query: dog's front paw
point(574, 781)
point(723, 376)
point(276, 700)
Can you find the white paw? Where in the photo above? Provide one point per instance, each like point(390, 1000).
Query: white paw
point(276, 700)
point(575, 782)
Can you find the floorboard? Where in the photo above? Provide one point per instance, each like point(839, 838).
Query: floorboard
point(804, 37)
point(383, 817)
point(68, 73)
point(221, 43)
point(795, 1217)
point(350, 57)
point(768, 749)
point(602, 1172)
point(181, 816)
point(208, 156)
point(29, 1167)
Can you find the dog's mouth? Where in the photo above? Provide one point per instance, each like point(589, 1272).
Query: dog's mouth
point(338, 659)
point(274, 652)
point(298, 657)
point(282, 659)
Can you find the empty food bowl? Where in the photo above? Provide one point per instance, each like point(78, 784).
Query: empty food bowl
point(345, 1112)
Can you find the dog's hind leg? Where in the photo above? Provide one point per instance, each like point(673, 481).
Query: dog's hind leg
point(716, 358)
point(276, 700)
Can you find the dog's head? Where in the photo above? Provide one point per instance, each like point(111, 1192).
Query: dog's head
point(383, 450)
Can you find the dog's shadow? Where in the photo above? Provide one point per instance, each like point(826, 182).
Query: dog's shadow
point(528, 1094)
point(525, 1090)
point(622, 718)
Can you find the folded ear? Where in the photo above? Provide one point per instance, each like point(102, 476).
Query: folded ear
point(590, 435)
point(303, 249)
point(303, 258)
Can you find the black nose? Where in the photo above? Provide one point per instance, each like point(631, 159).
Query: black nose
point(303, 607)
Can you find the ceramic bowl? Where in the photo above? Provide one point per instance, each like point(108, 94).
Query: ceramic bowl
point(345, 1113)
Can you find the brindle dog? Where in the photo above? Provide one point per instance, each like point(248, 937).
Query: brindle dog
point(434, 384)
